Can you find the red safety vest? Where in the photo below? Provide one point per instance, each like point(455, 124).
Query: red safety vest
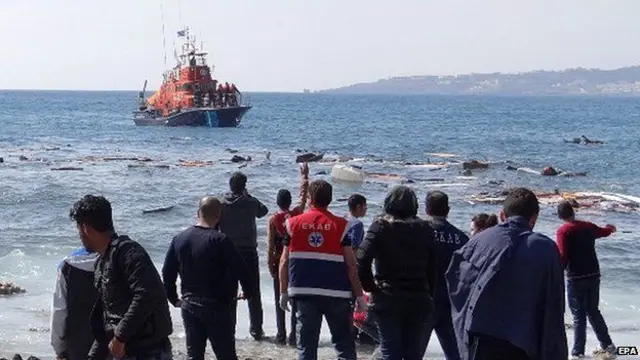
point(316, 261)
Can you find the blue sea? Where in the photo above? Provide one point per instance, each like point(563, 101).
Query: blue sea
point(54, 129)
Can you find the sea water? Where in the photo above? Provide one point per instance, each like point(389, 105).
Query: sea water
point(53, 128)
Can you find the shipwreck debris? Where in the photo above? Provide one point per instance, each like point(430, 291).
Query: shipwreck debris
point(9, 288)
point(158, 210)
point(474, 165)
point(309, 157)
point(67, 168)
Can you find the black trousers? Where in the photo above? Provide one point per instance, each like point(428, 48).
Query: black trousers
point(280, 314)
point(250, 257)
point(485, 347)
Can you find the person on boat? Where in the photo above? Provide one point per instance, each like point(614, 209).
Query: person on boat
point(318, 270)
point(73, 300)
point(276, 234)
point(131, 317)
point(210, 267)
point(401, 247)
point(238, 221)
point(448, 239)
point(506, 287)
point(482, 221)
point(355, 228)
point(222, 90)
point(576, 241)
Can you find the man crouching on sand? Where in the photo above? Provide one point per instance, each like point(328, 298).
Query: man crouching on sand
point(506, 288)
point(131, 317)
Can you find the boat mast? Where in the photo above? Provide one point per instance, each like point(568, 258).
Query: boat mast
point(164, 37)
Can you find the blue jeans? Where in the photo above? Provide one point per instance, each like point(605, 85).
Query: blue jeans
point(213, 323)
point(442, 323)
point(337, 311)
point(584, 296)
point(401, 335)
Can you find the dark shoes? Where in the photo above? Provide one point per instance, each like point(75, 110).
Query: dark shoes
point(281, 339)
point(257, 335)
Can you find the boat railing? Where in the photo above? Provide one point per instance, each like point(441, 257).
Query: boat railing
point(245, 100)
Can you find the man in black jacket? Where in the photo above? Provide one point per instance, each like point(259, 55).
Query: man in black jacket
point(402, 246)
point(210, 267)
point(448, 239)
point(131, 318)
point(238, 221)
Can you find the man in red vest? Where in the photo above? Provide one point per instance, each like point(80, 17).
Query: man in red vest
point(318, 271)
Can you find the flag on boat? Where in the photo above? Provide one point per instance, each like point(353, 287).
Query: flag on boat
point(182, 33)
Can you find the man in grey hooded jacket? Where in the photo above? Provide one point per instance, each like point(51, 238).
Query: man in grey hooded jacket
point(73, 301)
point(238, 221)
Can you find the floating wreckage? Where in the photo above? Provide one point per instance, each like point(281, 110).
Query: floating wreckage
point(67, 168)
point(8, 288)
point(584, 140)
point(474, 165)
point(602, 200)
point(547, 171)
point(195, 163)
point(443, 155)
point(309, 157)
point(158, 210)
point(347, 173)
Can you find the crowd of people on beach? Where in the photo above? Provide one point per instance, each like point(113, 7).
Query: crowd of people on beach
point(496, 294)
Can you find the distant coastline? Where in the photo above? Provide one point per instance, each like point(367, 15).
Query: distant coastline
point(576, 81)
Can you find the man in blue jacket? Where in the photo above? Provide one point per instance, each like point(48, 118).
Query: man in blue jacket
point(448, 239)
point(506, 287)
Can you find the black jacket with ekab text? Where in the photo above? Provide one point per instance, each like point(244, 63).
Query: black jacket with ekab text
point(132, 304)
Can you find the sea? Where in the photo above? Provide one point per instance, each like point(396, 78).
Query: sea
point(41, 130)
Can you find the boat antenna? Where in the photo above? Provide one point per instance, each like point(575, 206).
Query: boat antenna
point(164, 37)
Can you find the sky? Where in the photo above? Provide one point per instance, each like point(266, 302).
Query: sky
point(290, 45)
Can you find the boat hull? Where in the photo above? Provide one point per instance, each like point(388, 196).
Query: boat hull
point(210, 117)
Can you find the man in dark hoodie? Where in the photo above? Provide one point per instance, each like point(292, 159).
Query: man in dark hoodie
point(402, 246)
point(238, 223)
point(448, 239)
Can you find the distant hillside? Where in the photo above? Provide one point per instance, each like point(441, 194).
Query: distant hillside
point(566, 82)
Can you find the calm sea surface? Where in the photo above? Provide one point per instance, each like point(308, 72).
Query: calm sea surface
point(59, 128)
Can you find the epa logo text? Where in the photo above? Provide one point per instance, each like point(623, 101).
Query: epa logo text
point(627, 350)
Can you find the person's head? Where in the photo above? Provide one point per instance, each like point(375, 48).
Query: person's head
point(521, 202)
point(94, 221)
point(209, 211)
point(482, 221)
point(437, 203)
point(238, 182)
point(283, 199)
point(357, 205)
point(565, 211)
point(401, 203)
point(320, 194)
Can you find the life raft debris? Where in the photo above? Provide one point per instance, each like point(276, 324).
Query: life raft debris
point(158, 210)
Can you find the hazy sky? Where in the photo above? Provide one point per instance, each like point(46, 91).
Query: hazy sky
point(288, 45)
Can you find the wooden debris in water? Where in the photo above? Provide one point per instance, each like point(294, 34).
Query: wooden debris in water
point(158, 210)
